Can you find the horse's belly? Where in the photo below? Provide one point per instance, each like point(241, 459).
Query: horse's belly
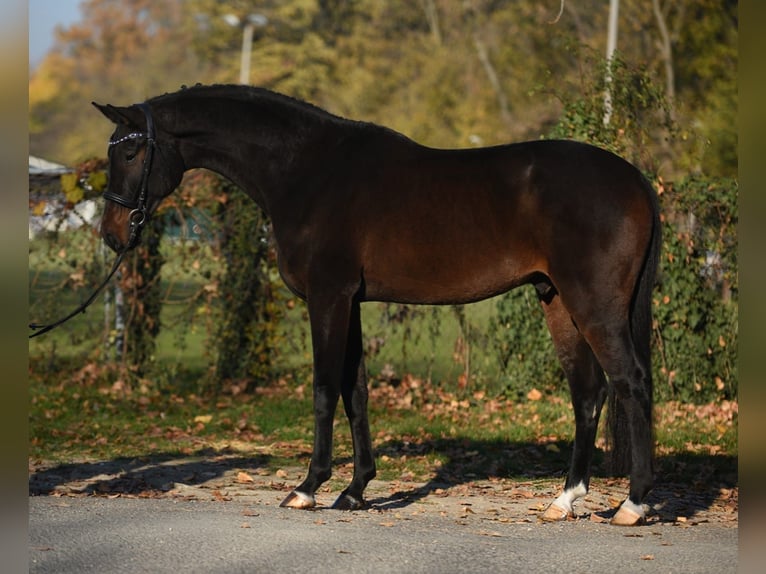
point(431, 280)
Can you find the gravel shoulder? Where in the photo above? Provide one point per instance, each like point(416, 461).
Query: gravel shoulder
point(227, 478)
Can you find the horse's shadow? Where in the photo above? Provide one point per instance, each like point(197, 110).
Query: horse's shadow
point(148, 474)
point(687, 484)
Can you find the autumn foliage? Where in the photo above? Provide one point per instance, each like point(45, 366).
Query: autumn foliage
point(447, 73)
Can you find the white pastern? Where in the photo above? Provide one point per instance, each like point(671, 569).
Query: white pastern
point(629, 514)
point(634, 508)
point(566, 498)
point(306, 499)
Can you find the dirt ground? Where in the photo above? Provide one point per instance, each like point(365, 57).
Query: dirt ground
point(227, 478)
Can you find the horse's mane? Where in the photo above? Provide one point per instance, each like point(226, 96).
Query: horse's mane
point(246, 94)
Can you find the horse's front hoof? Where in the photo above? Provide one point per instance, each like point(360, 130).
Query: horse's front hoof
point(627, 516)
point(300, 500)
point(555, 513)
point(348, 502)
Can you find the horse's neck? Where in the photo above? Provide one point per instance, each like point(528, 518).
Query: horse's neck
point(259, 157)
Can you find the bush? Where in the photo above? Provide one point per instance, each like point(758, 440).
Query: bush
point(696, 299)
point(696, 303)
point(247, 330)
point(523, 344)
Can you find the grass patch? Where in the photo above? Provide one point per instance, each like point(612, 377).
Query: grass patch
point(421, 431)
point(64, 269)
point(83, 408)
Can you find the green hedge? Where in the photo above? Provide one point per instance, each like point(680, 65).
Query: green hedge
point(695, 304)
point(255, 332)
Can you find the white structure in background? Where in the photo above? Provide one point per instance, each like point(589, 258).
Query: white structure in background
point(42, 176)
point(611, 46)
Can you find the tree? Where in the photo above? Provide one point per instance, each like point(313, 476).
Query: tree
point(122, 51)
point(448, 73)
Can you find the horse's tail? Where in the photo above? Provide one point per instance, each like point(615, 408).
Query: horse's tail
point(641, 331)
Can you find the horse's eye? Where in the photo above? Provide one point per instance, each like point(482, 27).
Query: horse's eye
point(130, 156)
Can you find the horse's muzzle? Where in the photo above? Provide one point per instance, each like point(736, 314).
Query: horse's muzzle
point(114, 243)
point(115, 226)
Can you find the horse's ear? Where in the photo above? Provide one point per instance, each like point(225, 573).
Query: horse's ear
point(117, 115)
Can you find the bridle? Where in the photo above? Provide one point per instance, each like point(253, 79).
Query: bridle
point(137, 217)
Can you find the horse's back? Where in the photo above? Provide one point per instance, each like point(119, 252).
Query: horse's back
point(443, 226)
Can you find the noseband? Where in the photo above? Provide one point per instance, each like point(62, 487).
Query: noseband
point(138, 214)
point(137, 217)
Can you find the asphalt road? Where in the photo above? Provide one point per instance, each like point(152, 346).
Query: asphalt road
point(98, 534)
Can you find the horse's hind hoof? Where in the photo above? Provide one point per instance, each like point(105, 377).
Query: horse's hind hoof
point(628, 516)
point(300, 500)
point(555, 513)
point(348, 502)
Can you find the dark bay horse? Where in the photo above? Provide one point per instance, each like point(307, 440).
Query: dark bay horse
point(362, 213)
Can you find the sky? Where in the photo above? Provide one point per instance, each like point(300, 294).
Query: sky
point(44, 16)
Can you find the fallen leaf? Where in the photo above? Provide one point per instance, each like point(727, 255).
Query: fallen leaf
point(204, 419)
point(614, 502)
point(522, 493)
point(534, 395)
point(220, 497)
point(243, 477)
point(647, 557)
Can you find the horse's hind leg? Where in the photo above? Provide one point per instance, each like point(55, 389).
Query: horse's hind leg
point(588, 389)
point(630, 376)
point(354, 393)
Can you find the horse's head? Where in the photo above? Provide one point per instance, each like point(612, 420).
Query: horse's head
point(142, 171)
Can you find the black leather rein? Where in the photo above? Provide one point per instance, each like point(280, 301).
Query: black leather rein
point(137, 217)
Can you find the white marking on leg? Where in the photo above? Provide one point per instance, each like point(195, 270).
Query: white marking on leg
point(629, 514)
point(566, 498)
point(635, 508)
point(307, 499)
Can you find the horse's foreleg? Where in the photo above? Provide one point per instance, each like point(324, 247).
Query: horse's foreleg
point(588, 389)
point(329, 319)
point(354, 393)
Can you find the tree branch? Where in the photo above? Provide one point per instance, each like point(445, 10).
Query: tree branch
point(558, 17)
point(666, 49)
